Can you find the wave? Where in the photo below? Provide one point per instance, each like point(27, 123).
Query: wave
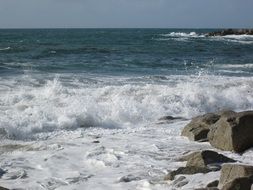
point(182, 34)
point(236, 66)
point(242, 39)
point(27, 110)
point(4, 49)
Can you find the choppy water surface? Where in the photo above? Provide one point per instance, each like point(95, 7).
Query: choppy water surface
point(62, 90)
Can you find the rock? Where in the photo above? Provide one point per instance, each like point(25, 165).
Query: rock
point(233, 131)
point(230, 172)
point(95, 142)
point(213, 184)
point(168, 119)
point(3, 188)
point(231, 32)
point(205, 158)
point(129, 178)
point(199, 127)
point(186, 171)
point(207, 188)
point(180, 182)
point(242, 183)
point(2, 172)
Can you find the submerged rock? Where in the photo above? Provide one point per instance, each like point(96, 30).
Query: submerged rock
point(129, 178)
point(233, 131)
point(186, 171)
point(205, 158)
point(168, 119)
point(230, 172)
point(199, 127)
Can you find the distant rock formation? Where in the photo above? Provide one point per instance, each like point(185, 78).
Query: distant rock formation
point(231, 32)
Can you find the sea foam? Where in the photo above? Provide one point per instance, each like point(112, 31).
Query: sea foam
point(27, 110)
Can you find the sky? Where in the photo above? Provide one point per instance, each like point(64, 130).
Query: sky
point(126, 14)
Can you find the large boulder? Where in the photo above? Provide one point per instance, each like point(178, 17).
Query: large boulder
point(242, 183)
point(199, 127)
point(230, 172)
point(232, 132)
point(205, 158)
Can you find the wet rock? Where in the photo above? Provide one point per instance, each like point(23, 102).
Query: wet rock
point(231, 32)
point(3, 188)
point(199, 127)
point(213, 184)
point(2, 172)
point(186, 171)
point(230, 172)
point(129, 178)
point(205, 158)
point(180, 182)
point(242, 183)
point(168, 119)
point(233, 131)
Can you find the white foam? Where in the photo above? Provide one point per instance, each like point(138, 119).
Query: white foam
point(27, 110)
point(182, 34)
point(3, 49)
point(242, 39)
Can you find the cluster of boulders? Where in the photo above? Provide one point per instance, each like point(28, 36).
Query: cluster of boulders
point(226, 130)
point(231, 32)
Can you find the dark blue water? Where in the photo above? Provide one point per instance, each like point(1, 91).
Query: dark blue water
point(124, 52)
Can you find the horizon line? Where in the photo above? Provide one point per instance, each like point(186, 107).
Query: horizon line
point(177, 28)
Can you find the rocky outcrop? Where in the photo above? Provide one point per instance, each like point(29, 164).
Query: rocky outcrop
point(205, 158)
point(199, 127)
point(186, 171)
point(231, 32)
point(231, 172)
point(232, 132)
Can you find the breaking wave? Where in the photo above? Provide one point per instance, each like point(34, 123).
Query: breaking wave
point(27, 109)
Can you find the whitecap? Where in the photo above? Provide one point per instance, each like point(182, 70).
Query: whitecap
point(3, 49)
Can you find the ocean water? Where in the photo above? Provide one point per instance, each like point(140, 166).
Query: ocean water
point(80, 108)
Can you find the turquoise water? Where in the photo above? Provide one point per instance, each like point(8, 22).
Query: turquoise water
point(124, 52)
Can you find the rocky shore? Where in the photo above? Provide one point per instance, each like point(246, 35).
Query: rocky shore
point(227, 131)
point(231, 32)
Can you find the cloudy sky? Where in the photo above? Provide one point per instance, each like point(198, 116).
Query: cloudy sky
point(126, 13)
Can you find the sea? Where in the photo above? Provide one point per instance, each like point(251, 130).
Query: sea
point(80, 109)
